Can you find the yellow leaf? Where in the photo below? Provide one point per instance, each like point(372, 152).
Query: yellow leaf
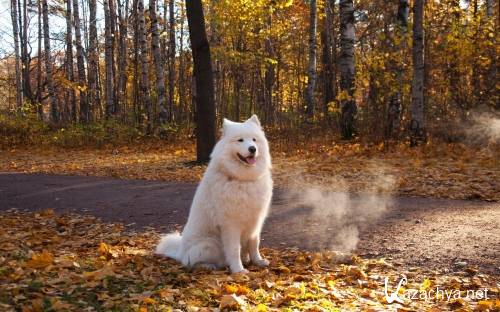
point(231, 289)
point(40, 260)
point(283, 269)
point(425, 284)
point(236, 289)
point(103, 249)
point(148, 300)
point(261, 307)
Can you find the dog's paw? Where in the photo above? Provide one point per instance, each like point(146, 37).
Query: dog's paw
point(261, 262)
point(242, 271)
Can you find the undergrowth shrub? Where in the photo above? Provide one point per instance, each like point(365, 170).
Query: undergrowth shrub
point(21, 131)
point(16, 131)
point(110, 132)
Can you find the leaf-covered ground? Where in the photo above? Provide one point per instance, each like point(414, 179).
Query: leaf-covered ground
point(439, 170)
point(50, 262)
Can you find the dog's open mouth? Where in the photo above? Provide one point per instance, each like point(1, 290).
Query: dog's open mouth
point(249, 160)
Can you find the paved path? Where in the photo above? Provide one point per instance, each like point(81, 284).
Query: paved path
point(435, 233)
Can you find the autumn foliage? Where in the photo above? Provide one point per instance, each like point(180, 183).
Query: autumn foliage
point(73, 263)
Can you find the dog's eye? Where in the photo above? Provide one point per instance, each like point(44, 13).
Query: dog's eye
point(254, 140)
point(240, 140)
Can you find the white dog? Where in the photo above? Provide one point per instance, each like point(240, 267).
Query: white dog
point(230, 204)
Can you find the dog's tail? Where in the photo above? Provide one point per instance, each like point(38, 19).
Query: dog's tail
point(170, 246)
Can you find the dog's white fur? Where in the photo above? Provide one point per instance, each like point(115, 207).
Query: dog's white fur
point(230, 204)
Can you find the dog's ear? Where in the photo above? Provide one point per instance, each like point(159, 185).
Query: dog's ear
point(254, 119)
point(225, 125)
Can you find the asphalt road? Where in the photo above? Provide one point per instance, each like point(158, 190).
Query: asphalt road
point(409, 231)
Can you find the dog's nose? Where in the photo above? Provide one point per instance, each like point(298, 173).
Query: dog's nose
point(252, 149)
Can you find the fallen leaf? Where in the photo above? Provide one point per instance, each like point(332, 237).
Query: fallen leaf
point(40, 260)
point(231, 302)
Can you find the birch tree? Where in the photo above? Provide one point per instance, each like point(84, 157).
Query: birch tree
point(25, 54)
point(270, 73)
point(69, 60)
point(144, 83)
point(15, 32)
point(171, 58)
point(108, 60)
point(347, 70)
point(394, 107)
point(328, 56)
point(80, 61)
point(122, 53)
point(417, 122)
point(54, 114)
point(311, 68)
point(93, 72)
point(492, 71)
point(156, 52)
point(39, 107)
point(490, 4)
point(204, 83)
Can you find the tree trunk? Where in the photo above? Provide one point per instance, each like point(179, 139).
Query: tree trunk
point(15, 30)
point(93, 77)
point(112, 24)
point(144, 84)
point(171, 60)
point(108, 60)
point(491, 93)
point(137, 102)
point(454, 74)
point(269, 76)
point(490, 5)
point(25, 56)
point(326, 41)
point(156, 52)
point(54, 116)
point(403, 11)
point(417, 123)
point(39, 106)
point(238, 79)
point(181, 87)
point(394, 107)
point(347, 70)
point(311, 68)
point(122, 55)
point(205, 107)
point(71, 98)
point(80, 60)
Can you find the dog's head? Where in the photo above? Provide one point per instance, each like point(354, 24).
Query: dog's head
point(242, 151)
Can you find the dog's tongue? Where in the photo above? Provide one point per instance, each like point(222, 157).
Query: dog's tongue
point(250, 160)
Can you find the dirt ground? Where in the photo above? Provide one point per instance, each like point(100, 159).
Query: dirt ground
point(436, 234)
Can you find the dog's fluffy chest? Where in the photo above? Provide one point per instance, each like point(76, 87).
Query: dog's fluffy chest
point(244, 201)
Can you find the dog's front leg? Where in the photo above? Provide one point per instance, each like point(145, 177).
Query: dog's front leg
point(231, 243)
point(253, 248)
point(245, 255)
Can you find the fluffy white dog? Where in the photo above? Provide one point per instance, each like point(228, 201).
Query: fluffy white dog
point(230, 204)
